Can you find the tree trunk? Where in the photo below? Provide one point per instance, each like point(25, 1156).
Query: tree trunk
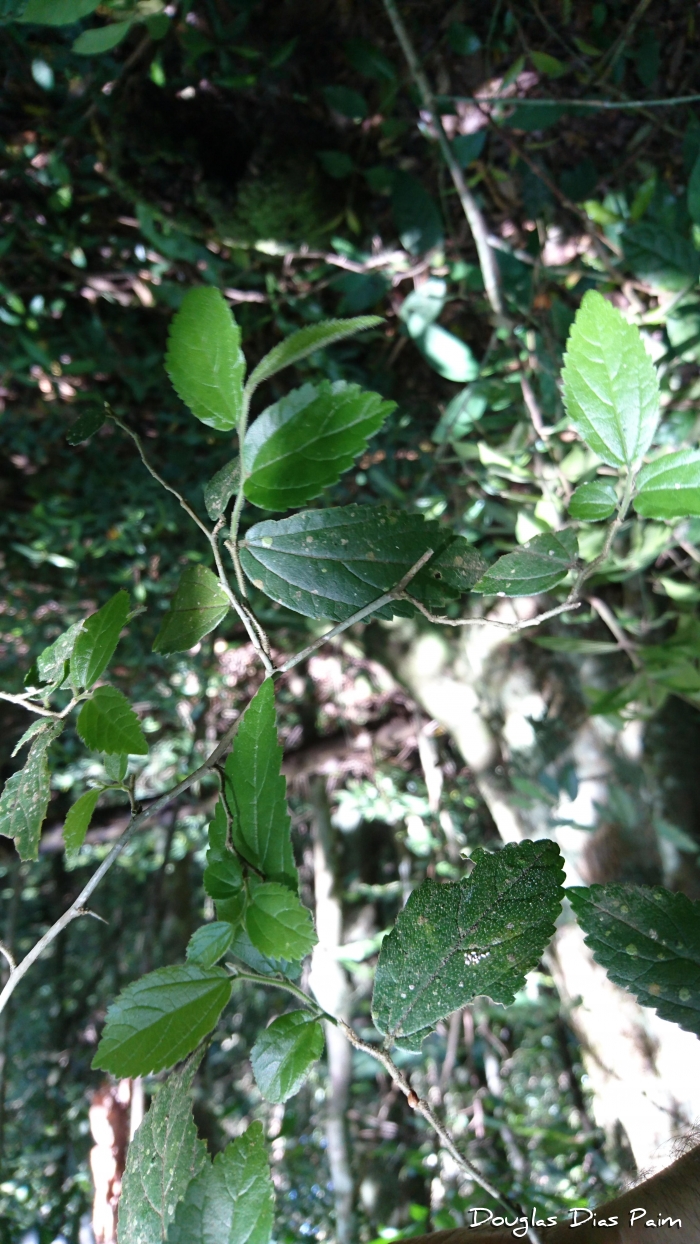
point(330, 986)
point(644, 1073)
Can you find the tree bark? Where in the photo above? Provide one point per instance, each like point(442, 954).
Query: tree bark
point(330, 986)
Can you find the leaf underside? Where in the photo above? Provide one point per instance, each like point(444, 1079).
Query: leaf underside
point(534, 567)
point(232, 1199)
point(303, 342)
point(199, 605)
point(25, 799)
point(284, 1054)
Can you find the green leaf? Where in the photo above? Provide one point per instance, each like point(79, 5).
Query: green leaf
point(533, 568)
point(223, 877)
point(306, 341)
point(209, 943)
point(329, 563)
point(163, 1158)
point(548, 65)
point(660, 255)
point(115, 766)
point(232, 1200)
point(347, 102)
point(85, 426)
point(204, 358)
point(694, 193)
point(101, 38)
point(451, 357)
point(669, 487)
point(52, 661)
point(417, 217)
point(277, 923)
point(306, 441)
point(611, 391)
point(284, 1054)
point(479, 935)
point(161, 1018)
point(77, 821)
point(107, 723)
point(593, 501)
point(221, 487)
point(35, 727)
point(254, 789)
point(57, 12)
point(95, 645)
point(648, 941)
point(458, 566)
point(198, 605)
point(25, 799)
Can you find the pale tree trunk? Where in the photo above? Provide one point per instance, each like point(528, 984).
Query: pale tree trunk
point(330, 986)
point(644, 1073)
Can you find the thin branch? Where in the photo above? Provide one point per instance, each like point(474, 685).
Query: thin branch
point(611, 104)
point(423, 1107)
point(30, 706)
point(396, 593)
point(279, 983)
point(77, 907)
point(4, 950)
point(616, 630)
point(256, 634)
point(472, 211)
point(232, 542)
point(506, 626)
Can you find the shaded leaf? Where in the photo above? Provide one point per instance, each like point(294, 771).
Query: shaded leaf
point(101, 38)
point(329, 563)
point(583, 647)
point(284, 1054)
point(593, 501)
point(694, 193)
point(221, 487)
point(480, 935)
point(77, 821)
point(277, 923)
point(25, 798)
point(57, 12)
point(223, 876)
point(232, 1200)
point(208, 943)
point(35, 727)
point(669, 487)
point(96, 642)
point(254, 789)
point(198, 606)
point(163, 1158)
point(417, 217)
point(611, 391)
point(107, 723)
point(115, 766)
point(533, 568)
point(204, 358)
point(306, 441)
point(161, 1018)
point(660, 255)
point(305, 341)
point(648, 941)
point(85, 426)
point(347, 102)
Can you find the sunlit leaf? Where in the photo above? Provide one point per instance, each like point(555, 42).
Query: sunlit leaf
point(107, 723)
point(593, 501)
point(51, 662)
point(611, 391)
point(161, 1018)
point(204, 359)
point(25, 798)
point(284, 1054)
point(78, 819)
point(232, 1200)
point(305, 341)
point(95, 644)
point(278, 924)
point(163, 1158)
point(254, 789)
point(669, 487)
point(306, 441)
point(208, 943)
point(534, 567)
